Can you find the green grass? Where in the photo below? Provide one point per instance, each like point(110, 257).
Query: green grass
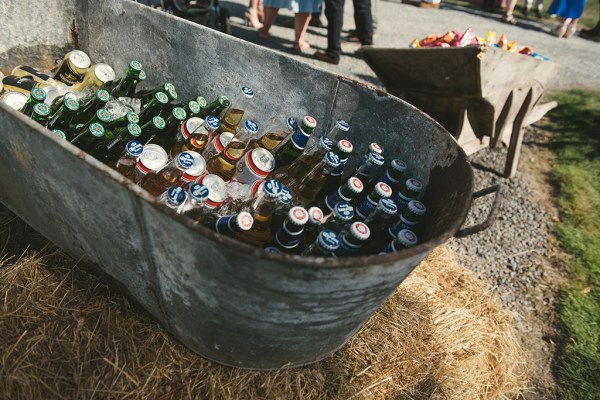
point(576, 143)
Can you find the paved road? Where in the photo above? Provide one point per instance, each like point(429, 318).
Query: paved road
point(578, 59)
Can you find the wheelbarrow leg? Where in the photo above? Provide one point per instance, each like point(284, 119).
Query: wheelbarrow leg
point(516, 138)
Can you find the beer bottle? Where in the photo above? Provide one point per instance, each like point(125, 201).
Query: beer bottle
point(263, 209)
point(369, 204)
point(348, 191)
point(126, 163)
point(217, 144)
point(352, 241)
point(308, 187)
point(323, 246)
point(60, 134)
point(152, 128)
point(233, 116)
point(224, 163)
point(194, 133)
point(173, 197)
point(373, 147)
point(342, 149)
point(95, 77)
point(368, 170)
point(255, 165)
point(146, 96)
point(72, 67)
point(272, 250)
point(340, 217)
point(87, 137)
point(125, 87)
point(191, 107)
point(153, 107)
point(112, 142)
point(167, 136)
point(217, 191)
point(101, 116)
point(338, 129)
point(380, 219)
point(36, 96)
point(293, 148)
point(312, 228)
point(58, 101)
point(287, 237)
point(406, 219)
point(153, 158)
point(403, 240)
point(202, 103)
point(229, 225)
point(410, 191)
point(157, 182)
point(273, 138)
point(216, 108)
point(89, 108)
point(62, 118)
point(196, 170)
point(283, 206)
point(394, 173)
point(40, 113)
point(291, 173)
point(193, 208)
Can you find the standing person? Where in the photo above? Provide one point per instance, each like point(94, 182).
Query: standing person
point(569, 12)
point(353, 36)
point(508, 16)
point(334, 11)
point(302, 12)
point(539, 6)
point(252, 15)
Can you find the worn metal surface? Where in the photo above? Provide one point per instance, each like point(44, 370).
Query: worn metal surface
point(226, 300)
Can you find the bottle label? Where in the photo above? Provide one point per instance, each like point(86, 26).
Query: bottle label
point(390, 248)
point(286, 238)
point(224, 224)
point(389, 180)
point(333, 198)
point(365, 208)
point(346, 248)
point(402, 201)
point(300, 138)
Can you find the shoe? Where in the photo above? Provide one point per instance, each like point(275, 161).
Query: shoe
point(509, 19)
point(351, 38)
point(262, 34)
point(302, 46)
point(316, 22)
point(251, 18)
point(559, 30)
point(571, 29)
point(323, 56)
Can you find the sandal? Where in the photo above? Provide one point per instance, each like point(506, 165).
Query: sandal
point(262, 34)
point(509, 19)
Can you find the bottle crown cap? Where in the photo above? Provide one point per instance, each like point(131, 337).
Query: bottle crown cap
point(383, 189)
point(194, 107)
point(79, 59)
point(328, 240)
point(251, 127)
point(325, 143)
point(416, 207)
point(224, 101)
point(38, 94)
point(171, 93)
point(134, 148)
point(132, 117)
point(248, 92)
point(398, 165)
point(198, 191)
point(159, 122)
point(292, 124)
point(185, 160)
point(345, 146)
point(285, 196)
point(102, 95)
point(355, 184)
point(407, 238)
point(161, 97)
point(201, 101)
point(309, 121)
point(212, 122)
point(344, 211)
point(179, 113)
point(342, 125)
point(332, 159)
point(244, 220)
point(60, 133)
point(71, 104)
point(387, 206)
point(96, 129)
point(142, 75)
point(376, 158)
point(298, 215)
point(41, 109)
point(134, 129)
point(176, 195)
point(414, 185)
point(360, 230)
point(168, 86)
point(376, 148)
point(272, 250)
point(103, 115)
point(315, 215)
point(135, 65)
point(272, 188)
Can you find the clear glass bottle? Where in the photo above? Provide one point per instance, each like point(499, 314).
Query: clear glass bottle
point(305, 192)
point(291, 173)
point(128, 160)
point(197, 194)
point(294, 147)
point(234, 114)
point(173, 198)
point(263, 208)
point(339, 219)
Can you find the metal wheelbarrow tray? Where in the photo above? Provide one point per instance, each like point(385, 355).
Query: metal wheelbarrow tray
point(228, 301)
point(483, 95)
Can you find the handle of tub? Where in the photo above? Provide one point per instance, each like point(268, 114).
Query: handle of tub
point(492, 215)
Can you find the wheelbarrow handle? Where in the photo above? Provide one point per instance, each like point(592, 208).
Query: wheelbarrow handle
point(492, 215)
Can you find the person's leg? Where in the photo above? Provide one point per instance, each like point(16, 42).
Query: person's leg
point(571, 28)
point(375, 14)
point(364, 21)
point(270, 15)
point(508, 14)
point(301, 21)
point(251, 15)
point(560, 29)
point(334, 12)
point(528, 4)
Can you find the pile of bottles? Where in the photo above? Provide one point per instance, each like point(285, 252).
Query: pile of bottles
point(285, 189)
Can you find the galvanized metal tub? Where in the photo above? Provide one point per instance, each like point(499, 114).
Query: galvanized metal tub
point(228, 301)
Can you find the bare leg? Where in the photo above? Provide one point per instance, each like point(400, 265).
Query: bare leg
point(508, 14)
point(301, 21)
point(270, 15)
point(252, 15)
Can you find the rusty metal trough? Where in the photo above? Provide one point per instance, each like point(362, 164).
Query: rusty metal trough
point(228, 301)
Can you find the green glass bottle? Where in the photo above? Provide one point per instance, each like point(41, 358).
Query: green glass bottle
point(86, 139)
point(88, 109)
point(113, 142)
point(153, 107)
point(216, 108)
point(36, 96)
point(40, 113)
point(101, 116)
point(167, 136)
point(125, 87)
point(305, 192)
point(151, 129)
point(63, 117)
point(146, 95)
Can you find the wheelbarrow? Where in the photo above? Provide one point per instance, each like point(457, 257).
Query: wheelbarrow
point(483, 95)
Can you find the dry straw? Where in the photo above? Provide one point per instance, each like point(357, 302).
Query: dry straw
point(65, 334)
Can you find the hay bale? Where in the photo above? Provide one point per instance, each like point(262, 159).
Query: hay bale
point(64, 333)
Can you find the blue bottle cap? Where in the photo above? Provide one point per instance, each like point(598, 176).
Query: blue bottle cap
point(251, 126)
point(416, 207)
point(185, 160)
point(344, 211)
point(176, 195)
point(212, 122)
point(342, 125)
point(198, 192)
point(332, 159)
point(272, 188)
point(388, 206)
point(326, 143)
point(376, 158)
point(407, 238)
point(292, 124)
point(272, 250)
point(414, 185)
point(328, 240)
point(285, 196)
point(134, 148)
point(248, 92)
point(398, 165)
